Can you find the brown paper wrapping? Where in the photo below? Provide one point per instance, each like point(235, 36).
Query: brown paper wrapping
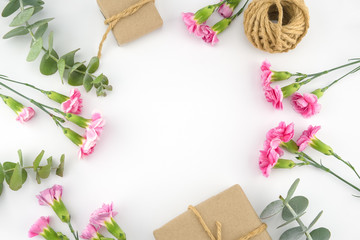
point(231, 208)
point(144, 21)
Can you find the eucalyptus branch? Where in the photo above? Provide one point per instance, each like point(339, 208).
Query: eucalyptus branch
point(76, 73)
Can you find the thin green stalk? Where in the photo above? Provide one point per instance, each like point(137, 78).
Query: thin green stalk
point(3, 77)
point(240, 11)
point(76, 235)
point(346, 163)
point(298, 220)
point(351, 72)
point(322, 167)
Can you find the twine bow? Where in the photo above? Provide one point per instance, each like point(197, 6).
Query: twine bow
point(112, 21)
point(250, 235)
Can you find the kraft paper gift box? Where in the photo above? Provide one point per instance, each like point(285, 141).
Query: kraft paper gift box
point(231, 208)
point(143, 21)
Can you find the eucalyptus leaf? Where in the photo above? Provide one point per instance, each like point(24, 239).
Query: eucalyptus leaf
point(16, 178)
point(1, 188)
point(60, 169)
point(70, 57)
point(51, 41)
point(40, 23)
point(37, 160)
point(22, 17)
point(292, 190)
point(35, 50)
point(88, 82)
point(291, 220)
point(44, 171)
point(315, 220)
point(320, 234)
point(76, 78)
point(21, 160)
point(292, 234)
point(98, 80)
point(19, 31)
point(48, 65)
point(10, 8)
point(8, 169)
point(61, 67)
point(298, 204)
point(37, 9)
point(93, 65)
point(38, 179)
point(2, 174)
point(41, 30)
point(272, 209)
point(34, 3)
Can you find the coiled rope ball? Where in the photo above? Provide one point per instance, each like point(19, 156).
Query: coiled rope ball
point(276, 26)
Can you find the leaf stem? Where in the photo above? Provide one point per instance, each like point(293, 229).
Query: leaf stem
point(76, 235)
point(239, 12)
point(346, 163)
point(3, 77)
point(298, 220)
point(351, 72)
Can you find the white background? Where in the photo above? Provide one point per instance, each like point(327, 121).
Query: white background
point(184, 122)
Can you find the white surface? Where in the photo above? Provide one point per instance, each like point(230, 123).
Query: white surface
point(184, 122)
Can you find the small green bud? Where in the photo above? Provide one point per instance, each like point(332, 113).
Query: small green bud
point(290, 89)
point(50, 234)
point(221, 25)
point(203, 14)
point(290, 146)
point(61, 211)
point(285, 163)
point(115, 230)
point(12, 103)
point(78, 120)
point(73, 136)
point(318, 92)
point(321, 147)
point(57, 97)
point(280, 76)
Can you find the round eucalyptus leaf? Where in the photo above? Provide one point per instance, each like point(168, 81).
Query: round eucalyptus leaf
point(70, 57)
point(35, 50)
point(77, 78)
point(292, 234)
point(298, 204)
point(48, 65)
point(320, 234)
point(88, 83)
point(272, 209)
point(16, 178)
point(22, 17)
point(93, 65)
point(10, 8)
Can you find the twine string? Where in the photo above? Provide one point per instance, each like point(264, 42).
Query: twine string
point(112, 21)
point(250, 235)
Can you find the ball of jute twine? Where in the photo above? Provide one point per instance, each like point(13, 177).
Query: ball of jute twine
point(276, 25)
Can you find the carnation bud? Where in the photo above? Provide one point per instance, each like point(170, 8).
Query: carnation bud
point(57, 97)
point(203, 14)
point(73, 136)
point(290, 146)
point(321, 147)
point(280, 76)
point(318, 92)
point(285, 163)
point(290, 89)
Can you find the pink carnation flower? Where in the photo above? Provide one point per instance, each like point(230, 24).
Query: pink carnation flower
point(274, 96)
point(96, 125)
point(225, 10)
point(307, 105)
point(88, 144)
point(282, 132)
point(25, 115)
point(190, 22)
point(306, 137)
point(208, 34)
point(266, 74)
point(74, 104)
point(90, 232)
point(48, 196)
point(39, 226)
point(270, 155)
point(102, 215)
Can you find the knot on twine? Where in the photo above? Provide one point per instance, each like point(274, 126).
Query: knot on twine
point(250, 235)
point(276, 25)
point(112, 21)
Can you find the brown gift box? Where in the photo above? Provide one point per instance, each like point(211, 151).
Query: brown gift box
point(143, 21)
point(231, 208)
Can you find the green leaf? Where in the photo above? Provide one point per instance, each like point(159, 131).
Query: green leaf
point(320, 234)
point(61, 66)
point(20, 158)
point(16, 178)
point(60, 169)
point(10, 8)
point(51, 41)
point(93, 65)
point(315, 220)
point(9, 169)
point(298, 204)
point(70, 57)
point(2, 174)
point(40, 23)
point(35, 50)
point(41, 30)
point(98, 79)
point(16, 32)
point(37, 160)
point(37, 9)
point(272, 209)
point(291, 220)
point(34, 3)
point(292, 234)
point(38, 179)
point(76, 78)
point(22, 17)
point(88, 83)
point(1, 188)
point(292, 190)
point(48, 66)
point(44, 171)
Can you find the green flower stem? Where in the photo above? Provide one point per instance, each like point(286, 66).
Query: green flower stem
point(315, 75)
point(3, 77)
point(56, 119)
point(76, 235)
point(351, 72)
point(346, 163)
point(29, 167)
point(298, 220)
point(239, 12)
point(322, 167)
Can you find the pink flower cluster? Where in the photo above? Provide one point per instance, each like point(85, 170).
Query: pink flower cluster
point(92, 135)
point(275, 137)
point(307, 105)
point(74, 103)
point(97, 220)
point(202, 31)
